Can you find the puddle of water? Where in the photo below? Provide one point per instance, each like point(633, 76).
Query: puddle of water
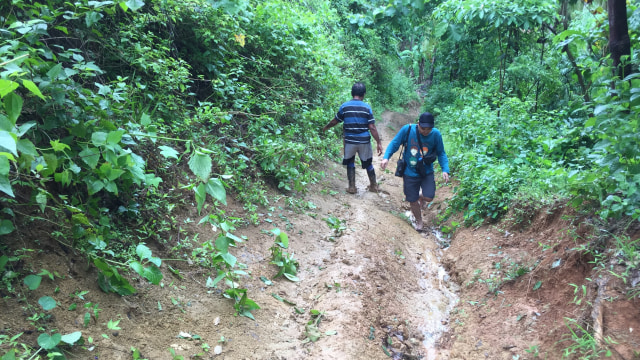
point(437, 298)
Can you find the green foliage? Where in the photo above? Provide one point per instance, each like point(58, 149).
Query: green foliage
point(287, 265)
point(242, 304)
point(337, 225)
point(582, 343)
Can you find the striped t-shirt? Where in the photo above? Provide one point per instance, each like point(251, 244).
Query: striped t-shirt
point(356, 115)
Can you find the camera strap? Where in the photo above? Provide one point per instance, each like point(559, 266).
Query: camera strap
point(404, 142)
point(419, 142)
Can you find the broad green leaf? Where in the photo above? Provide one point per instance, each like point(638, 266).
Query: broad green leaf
point(168, 152)
point(54, 71)
point(114, 137)
point(52, 164)
point(109, 172)
point(247, 313)
point(31, 86)
point(99, 138)
point(229, 259)
point(5, 187)
point(590, 122)
point(71, 338)
point(62, 28)
point(25, 146)
point(155, 260)
point(200, 165)
point(201, 195)
point(233, 237)
point(8, 142)
point(137, 267)
point(80, 219)
point(63, 178)
point(143, 251)
point(153, 274)
point(6, 87)
point(217, 190)
point(111, 187)
point(145, 120)
point(213, 283)
point(102, 266)
point(283, 240)
point(11, 355)
point(47, 303)
point(90, 156)
point(13, 106)
point(222, 244)
point(92, 17)
point(32, 281)
point(41, 200)
point(133, 4)
point(152, 180)
point(4, 260)
point(291, 277)
point(49, 342)
point(5, 124)
point(5, 167)
point(93, 186)
point(250, 304)
point(22, 129)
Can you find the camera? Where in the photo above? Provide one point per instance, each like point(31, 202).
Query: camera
point(400, 168)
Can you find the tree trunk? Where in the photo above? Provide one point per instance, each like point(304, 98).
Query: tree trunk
point(619, 41)
point(432, 70)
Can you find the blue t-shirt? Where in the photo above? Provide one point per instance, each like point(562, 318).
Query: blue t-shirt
point(355, 116)
point(431, 142)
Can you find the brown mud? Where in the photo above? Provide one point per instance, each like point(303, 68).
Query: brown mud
point(384, 290)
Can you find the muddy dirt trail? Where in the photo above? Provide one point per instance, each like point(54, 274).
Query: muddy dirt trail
point(370, 286)
point(376, 282)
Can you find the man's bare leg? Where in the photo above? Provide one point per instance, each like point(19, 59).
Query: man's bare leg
point(424, 202)
point(417, 214)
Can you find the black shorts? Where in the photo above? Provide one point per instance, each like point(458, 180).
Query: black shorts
point(412, 186)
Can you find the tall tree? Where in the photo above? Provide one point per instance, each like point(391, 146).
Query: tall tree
point(619, 41)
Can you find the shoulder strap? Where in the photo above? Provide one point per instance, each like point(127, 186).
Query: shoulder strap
point(419, 142)
point(404, 142)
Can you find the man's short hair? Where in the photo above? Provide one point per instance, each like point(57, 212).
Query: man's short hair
point(358, 89)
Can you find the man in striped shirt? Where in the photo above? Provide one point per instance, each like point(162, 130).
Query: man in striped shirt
point(358, 125)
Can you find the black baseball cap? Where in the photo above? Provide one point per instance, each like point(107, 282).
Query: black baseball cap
point(426, 120)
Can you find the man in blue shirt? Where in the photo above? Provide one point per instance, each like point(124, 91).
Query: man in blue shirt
point(358, 125)
point(423, 135)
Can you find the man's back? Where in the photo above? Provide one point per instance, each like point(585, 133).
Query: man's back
point(356, 115)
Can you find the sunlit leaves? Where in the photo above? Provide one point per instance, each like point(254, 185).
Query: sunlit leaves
point(7, 87)
point(240, 39)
